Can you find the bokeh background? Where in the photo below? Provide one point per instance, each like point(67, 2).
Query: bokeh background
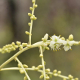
point(60, 17)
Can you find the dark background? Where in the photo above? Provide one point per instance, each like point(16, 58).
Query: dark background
point(60, 17)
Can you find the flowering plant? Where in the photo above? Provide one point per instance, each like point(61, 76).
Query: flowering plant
point(55, 43)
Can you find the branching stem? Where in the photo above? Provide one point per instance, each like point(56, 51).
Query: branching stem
point(31, 24)
point(31, 69)
point(22, 68)
point(43, 63)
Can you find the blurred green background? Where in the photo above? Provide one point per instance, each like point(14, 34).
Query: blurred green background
point(60, 17)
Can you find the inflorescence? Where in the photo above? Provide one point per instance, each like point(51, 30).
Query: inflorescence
point(54, 43)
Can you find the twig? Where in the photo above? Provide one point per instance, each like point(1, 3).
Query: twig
point(41, 51)
point(23, 68)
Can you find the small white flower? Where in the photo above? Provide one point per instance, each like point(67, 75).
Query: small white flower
point(54, 46)
point(67, 45)
point(66, 48)
point(55, 38)
point(56, 42)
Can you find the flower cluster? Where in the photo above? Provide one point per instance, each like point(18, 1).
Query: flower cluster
point(56, 42)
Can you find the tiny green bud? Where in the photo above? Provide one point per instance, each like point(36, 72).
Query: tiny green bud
point(16, 46)
point(41, 76)
point(71, 37)
point(59, 72)
point(31, 17)
point(25, 66)
point(25, 78)
point(62, 38)
point(47, 48)
point(31, 8)
point(40, 66)
point(47, 77)
point(24, 44)
point(29, 14)
point(35, 6)
point(33, 1)
point(18, 42)
point(6, 50)
point(55, 71)
point(29, 24)
point(47, 70)
point(76, 79)
point(33, 67)
point(41, 55)
point(70, 77)
point(13, 44)
point(27, 32)
point(21, 71)
point(19, 65)
point(13, 49)
point(21, 47)
point(34, 18)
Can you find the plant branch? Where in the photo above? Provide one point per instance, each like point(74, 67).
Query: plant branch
point(41, 51)
point(22, 68)
point(18, 53)
point(31, 69)
point(31, 24)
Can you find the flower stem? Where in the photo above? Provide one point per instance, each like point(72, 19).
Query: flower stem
point(43, 63)
point(31, 24)
point(22, 68)
point(31, 69)
point(18, 53)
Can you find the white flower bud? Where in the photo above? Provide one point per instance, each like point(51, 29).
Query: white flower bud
point(71, 37)
point(45, 37)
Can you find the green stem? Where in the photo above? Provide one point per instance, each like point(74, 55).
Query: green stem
point(23, 68)
point(31, 69)
point(18, 53)
point(43, 63)
point(31, 25)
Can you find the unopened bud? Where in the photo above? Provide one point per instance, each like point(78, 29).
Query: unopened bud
point(70, 77)
point(18, 42)
point(31, 8)
point(59, 72)
point(47, 70)
point(35, 6)
point(71, 37)
point(29, 24)
point(29, 14)
point(45, 37)
point(33, 1)
point(41, 55)
point(41, 76)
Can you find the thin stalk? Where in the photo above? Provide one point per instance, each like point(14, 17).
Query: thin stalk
point(31, 69)
point(18, 53)
point(22, 68)
point(42, 59)
point(31, 24)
